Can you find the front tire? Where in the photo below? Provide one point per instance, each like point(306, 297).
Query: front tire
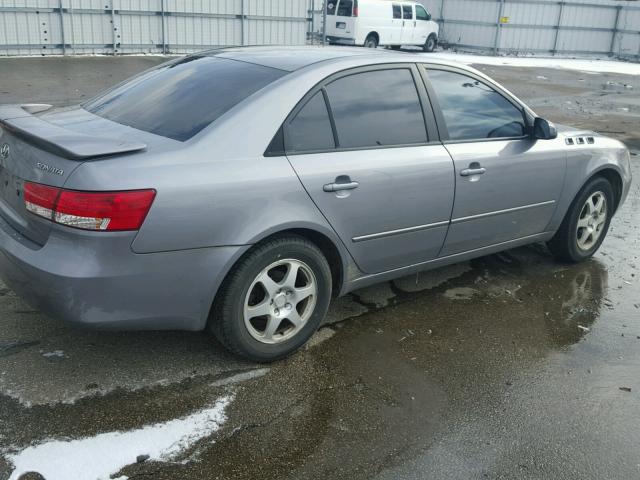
point(431, 43)
point(371, 41)
point(273, 300)
point(586, 224)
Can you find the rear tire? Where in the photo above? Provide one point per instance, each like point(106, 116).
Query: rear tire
point(431, 43)
point(586, 224)
point(273, 300)
point(371, 41)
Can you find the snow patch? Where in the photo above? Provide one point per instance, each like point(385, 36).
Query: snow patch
point(54, 354)
point(579, 64)
point(241, 377)
point(99, 457)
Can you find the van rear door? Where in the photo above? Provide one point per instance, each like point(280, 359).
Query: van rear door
point(345, 21)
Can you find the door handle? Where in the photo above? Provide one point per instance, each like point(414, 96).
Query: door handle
point(473, 170)
point(338, 187)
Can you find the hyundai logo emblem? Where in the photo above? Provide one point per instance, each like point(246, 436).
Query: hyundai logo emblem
point(4, 151)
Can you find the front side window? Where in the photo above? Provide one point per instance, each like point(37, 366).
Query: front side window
point(473, 110)
point(421, 13)
point(179, 99)
point(331, 7)
point(345, 8)
point(407, 12)
point(377, 108)
point(311, 128)
point(397, 11)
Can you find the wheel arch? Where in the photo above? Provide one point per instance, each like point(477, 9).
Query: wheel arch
point(375, 34)
point(329, 244)
point(614, 177)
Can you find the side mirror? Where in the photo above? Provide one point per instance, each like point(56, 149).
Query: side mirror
point(544, 130)
point(428, 16)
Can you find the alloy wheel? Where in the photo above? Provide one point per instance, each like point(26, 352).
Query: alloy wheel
point(591, 221)
point(280, 301)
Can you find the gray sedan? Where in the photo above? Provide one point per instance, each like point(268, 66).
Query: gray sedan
point(238, 190)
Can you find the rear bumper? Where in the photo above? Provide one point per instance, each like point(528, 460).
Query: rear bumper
point(341, 40)
point(95, 280)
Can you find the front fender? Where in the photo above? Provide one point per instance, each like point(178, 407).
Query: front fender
point(586, 161)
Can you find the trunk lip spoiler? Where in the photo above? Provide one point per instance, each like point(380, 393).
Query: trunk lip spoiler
point(19, 120)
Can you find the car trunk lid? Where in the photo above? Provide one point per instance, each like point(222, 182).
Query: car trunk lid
point(33, 149)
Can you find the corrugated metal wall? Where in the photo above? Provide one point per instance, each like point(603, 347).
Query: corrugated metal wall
point(46, 27)
point(54, 27)
point(591, 27)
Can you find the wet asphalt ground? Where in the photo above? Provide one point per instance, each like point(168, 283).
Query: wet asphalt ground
point(509, 366)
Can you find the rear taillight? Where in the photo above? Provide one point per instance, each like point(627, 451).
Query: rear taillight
point(103, 211)
point(355, 8)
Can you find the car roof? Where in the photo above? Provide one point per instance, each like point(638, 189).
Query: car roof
point(295, 58)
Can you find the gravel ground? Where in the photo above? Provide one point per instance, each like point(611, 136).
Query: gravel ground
point(509, 366)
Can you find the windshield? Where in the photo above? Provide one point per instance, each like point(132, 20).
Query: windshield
point(179, 99)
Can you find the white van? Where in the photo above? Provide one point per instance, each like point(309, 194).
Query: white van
point(380, 22)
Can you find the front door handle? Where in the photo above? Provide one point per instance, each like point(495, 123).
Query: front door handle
point(340, 186)
point(474, 169)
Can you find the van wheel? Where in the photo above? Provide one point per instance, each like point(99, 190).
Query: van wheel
point(274, 299)
point(430, 44)
point(586, 223)
point(371, 41)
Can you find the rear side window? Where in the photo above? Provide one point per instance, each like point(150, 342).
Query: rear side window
point(345, 8)
point(179, 99)
point(407, 12)
point(377, 108)
point(397, 11)
point(311, 128)
point(473, 110)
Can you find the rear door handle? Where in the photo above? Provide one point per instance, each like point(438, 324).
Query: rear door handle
point(468, 172)
point(338, 187)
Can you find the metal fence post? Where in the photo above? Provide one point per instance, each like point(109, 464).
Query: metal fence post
point(615, 30)
point(313, 21)
point(64, 41)
point(498, 28)
point(164, 39)
point(324, 22)
point(113, 26)
point(242, 26)
point(558, 25)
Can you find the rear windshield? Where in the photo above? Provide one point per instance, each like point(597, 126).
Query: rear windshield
point(178, 99)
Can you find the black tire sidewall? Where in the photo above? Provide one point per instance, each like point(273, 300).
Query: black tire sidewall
point(371, 39)
point(426, 44)
point(236, 331)
point(571, 241)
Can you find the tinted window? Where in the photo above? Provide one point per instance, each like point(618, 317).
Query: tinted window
point(377, 108)
point(331, 7)
point(407, 12)
point(311, 127)
point(345, 7)
point(397, 11)
point(179, 99)
point(421, 13)
point(472, 110)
